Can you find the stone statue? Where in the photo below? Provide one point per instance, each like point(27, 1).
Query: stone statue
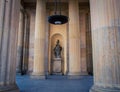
point(57, 50)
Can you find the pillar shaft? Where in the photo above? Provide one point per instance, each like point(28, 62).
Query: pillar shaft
point(74, 38)
point(8, 44)
point(39, 42)
point(20, 42)
point(105, 21)
point(26, 44)
point(2, 9)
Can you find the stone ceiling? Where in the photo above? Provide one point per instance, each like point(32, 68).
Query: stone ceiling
point(33, 1)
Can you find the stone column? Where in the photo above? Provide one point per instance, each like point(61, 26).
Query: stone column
point(83, 41)
point(20, 42)
point(8, 44)
point(2, 9)
point(39, 42)
point(26, 43)
point(89, 45)
point(105, 21)
point(74, 39)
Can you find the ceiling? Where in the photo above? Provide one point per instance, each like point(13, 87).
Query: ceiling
point(33, 1)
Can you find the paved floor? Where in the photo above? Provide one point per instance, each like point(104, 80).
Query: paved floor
point(54, 84)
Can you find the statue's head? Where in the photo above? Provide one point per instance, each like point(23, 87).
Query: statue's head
point(58, 41)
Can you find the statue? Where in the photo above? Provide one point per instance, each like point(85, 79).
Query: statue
point(57, 50)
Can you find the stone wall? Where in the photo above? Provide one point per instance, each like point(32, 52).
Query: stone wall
point(52, 30)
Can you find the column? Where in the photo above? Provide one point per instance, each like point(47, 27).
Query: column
point(2, 8)
point(74, 39)
point(26, 43)
point(20, 42)
point(39, 42)
point(83, 29)
point(105, 21)
point(89, 46)
point(8, 48)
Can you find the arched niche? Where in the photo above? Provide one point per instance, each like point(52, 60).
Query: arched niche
point(52, 45)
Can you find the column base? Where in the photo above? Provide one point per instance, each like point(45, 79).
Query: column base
point(83, 73)
point(18, 71)
point(10, 88)
point(102, 89)
point(38, 76)
point(74, 75)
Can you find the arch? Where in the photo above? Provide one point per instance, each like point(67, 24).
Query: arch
point(53, 39)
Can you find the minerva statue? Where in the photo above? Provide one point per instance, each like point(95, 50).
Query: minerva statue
point(57, 50)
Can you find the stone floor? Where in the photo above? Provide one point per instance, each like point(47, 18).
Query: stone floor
point(54, 84)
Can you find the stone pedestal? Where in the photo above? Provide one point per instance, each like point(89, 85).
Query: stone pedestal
point(57, 66)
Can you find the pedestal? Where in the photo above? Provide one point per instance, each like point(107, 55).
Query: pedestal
point(57, 66)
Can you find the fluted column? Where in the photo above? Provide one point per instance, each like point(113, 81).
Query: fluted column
point(8, 45)
point(74, 38)
point(105, 21)
point(39, 44)
point(20, 42)
point(26, 43)
point(2, 9)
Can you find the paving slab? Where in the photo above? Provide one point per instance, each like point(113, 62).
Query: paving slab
point(54, 83)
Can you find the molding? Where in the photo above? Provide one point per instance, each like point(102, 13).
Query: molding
point(38, 76)
point(9, 88)
point(104, 89)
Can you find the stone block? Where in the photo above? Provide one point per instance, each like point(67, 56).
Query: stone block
point(57, 65)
